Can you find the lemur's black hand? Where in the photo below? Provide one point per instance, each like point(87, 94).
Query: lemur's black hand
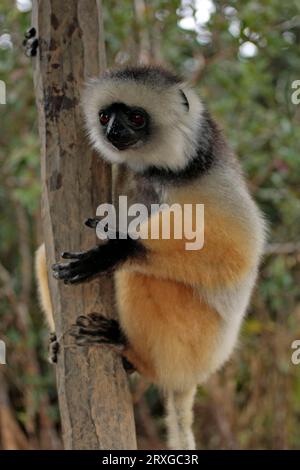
point(30, 43)
point(86, 265)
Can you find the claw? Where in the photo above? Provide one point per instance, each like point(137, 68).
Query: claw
point(79, 278)
point(55, 267)
point(78, 255)
point(82, 320)
point(73, 331)
point(94, 316)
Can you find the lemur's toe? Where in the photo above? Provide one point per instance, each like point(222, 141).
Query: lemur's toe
point(128, 366)
point(53, 348)
point(82, 320)
point(30, 33)
point(30, 42)
point(96, 329)
point(91, 222)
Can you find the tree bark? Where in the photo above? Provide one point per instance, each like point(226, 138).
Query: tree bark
point(94, 398)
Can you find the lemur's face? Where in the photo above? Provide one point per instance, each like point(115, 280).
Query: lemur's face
point(124, 126)
point(142, 118)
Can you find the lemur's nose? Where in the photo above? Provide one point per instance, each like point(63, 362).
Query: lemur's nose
point(118, 134)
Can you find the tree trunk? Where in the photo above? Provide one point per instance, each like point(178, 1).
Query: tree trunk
point(94, 398)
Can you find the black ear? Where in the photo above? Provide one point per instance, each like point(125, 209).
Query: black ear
point(185, 100)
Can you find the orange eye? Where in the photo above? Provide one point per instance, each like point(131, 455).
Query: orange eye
point(137, 119)
point(104, 119)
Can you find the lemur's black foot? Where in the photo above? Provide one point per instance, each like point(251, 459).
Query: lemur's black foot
point(96, 329)
point(53, 348)
point(30, 42)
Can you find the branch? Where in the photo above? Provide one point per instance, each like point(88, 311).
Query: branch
point(94, 399)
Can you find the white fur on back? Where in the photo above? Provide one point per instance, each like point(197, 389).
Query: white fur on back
point(174, 129)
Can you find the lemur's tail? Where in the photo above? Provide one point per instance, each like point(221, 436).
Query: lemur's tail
point(43, 285)
point(180, 419)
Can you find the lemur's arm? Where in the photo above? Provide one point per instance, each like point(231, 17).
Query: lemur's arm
point(226, 255)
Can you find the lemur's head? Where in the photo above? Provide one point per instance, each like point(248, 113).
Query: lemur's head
point(144, 117)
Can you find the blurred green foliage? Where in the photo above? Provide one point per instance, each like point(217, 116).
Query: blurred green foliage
point(243, 60)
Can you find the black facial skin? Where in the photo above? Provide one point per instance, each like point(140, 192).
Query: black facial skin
point(124, 126)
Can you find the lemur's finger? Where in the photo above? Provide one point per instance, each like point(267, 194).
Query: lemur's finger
point(55, 273)
point(82, 320)
point(59, 267)
point(92, 331)
point(96, 317)
point(31, 46)
point(74, 255)
point(65, 275)
point(66, 270)
point(30, 52)
point(79, 278)
point(97, 320)
point(91, 223)
point(89, 322)
point(30, 33)
point(86, 340)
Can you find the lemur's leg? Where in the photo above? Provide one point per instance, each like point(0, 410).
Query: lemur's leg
point(45, 300)
point(180, 419)
point(30, 42)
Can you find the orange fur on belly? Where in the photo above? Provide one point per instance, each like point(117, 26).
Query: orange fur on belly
point(171, 330)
